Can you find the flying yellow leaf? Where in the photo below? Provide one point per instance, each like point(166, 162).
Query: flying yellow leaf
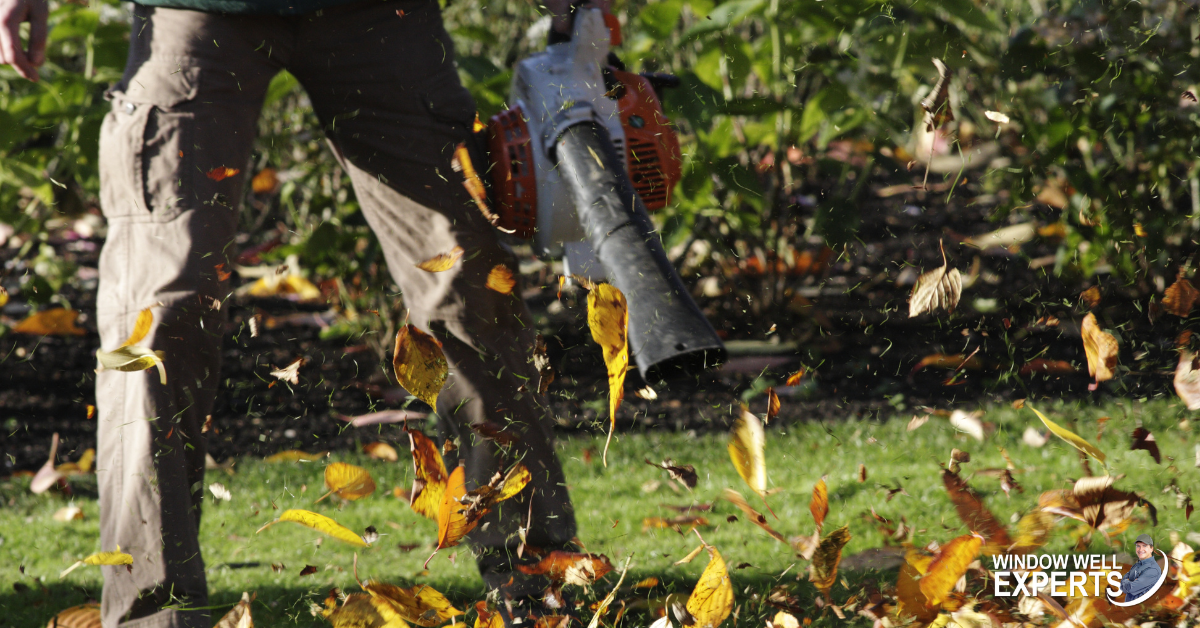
point(794, 378)
point(348, 481)
point(293, 455)
point(712, 599)
point(825, 561)
point(420, 365)
point(911, 601)
point(289, 286)
point(1069, 436)
point(486, 617)
point(442, 261)
point(54, 322)
point(381, 451)
point(238, 616)
point(500, 279)
point(746, 450)
point(1101, 350)
point(102, 558)
point(265, 182)
point(948, 566)
point(452, 520)
point(608, 318)
point(321, 524)
point(421, 604)
point(429, 481)
point(819, 505)
point(131, 357)
point(82, 616)
point(773, 404)
point(608, 599)
point(141, 328)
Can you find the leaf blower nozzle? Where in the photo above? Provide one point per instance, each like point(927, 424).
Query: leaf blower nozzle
point(668, 334)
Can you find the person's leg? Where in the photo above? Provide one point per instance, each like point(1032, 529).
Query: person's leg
point(394, 111)
point(187, 104)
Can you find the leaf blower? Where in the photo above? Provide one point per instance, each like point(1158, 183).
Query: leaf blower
point(576, 164)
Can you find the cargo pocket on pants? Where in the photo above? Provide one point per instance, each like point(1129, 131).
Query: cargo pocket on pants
point(146, 144)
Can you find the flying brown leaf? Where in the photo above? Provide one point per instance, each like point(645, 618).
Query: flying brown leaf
point(975, 514)
point(1187, 379)
point(82, 616)
point(500, 279)
point(442, 261)
point(291, 372)
point(220, 173)
point(308, 570)
point(420, 364)
point(755, 517)
point(1101, 349)
point(862, 472)
point(265, 182)
point(772, 404)
point(53, 322)
point(948, 566)
point(938, 289)
point(794, 378)
point(461, 162)
point(480, 501)
point(823, 570)
point(684, 473)
point(1180, 297)
point(746, 450)
point(562, 567)
point(608, 318)
point(937, 104)
point(1144, 440)
point(712, 599)
point(1094, 501)
point(429, 475)
point(541, 361)
point(819, 504)
point(348, 481)
point(1090, 297)
point(381, 451)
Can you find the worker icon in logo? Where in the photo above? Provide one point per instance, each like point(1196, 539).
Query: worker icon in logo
point(1144, 574)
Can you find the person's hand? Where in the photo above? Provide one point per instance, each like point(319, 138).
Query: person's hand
point(12, 14)
point(560, 12)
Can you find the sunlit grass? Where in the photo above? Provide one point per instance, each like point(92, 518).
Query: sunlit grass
point(611, 504)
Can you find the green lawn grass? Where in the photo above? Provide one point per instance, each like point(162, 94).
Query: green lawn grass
point(611, 504)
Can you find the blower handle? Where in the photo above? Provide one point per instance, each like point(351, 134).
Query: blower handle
point(668, 333)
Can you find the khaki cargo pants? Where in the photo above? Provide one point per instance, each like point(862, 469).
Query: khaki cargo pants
point(388, 96)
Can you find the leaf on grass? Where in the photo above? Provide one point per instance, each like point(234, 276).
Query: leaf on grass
point(295, 455)
point(755, 517)
point(421, 605)
point(429, 478)
point(561, 567)
point(819, 504)
point(442, 261)
point(823, 570)
point(746, 446)
point(684, 473)
point(1144, 440)
point(239, 616)
point(321, 524)
point(46, 476)
point(348, 481)
point(1180, 297)
point(948, 566)
point(102, 558)
point(1071, 437)
point(220, 173)
point(500, 279)
point(291, 372)
point(420, 364)
point(452, 520)
point(1101, 349)
point(712, 599)
point(773, 404)
point(1187, 379)
point(608, 318)
point(381, 451)
point(938, 289)
point(937, 103)
point(541, 361)
point(975, 514)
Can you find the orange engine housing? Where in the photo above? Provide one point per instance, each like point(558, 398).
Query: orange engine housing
point(651, 149)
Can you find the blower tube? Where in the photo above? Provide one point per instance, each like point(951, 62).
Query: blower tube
point(668, 334)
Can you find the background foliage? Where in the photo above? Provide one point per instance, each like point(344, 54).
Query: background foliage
point(1101, 141)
